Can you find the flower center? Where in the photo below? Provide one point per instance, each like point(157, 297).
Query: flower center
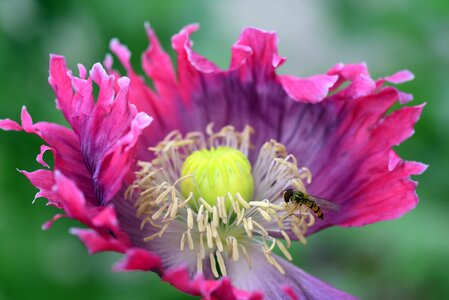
point(218, 207)
point(216, 173)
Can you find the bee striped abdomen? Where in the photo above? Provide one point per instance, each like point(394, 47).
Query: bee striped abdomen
point(314, 207)
point(318, 212)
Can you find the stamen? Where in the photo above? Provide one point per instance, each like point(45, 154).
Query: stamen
point(264, 214)
point(206, 205)
point(219, 244)
point(199, 263)
point(210, 244)
point(299, 234)
point(242, 201)
point(245, 225)
point(163, 229)
point(260, 227)
point(186, 201)
point(214, 231)
point(174, 209)
point(234, 205)
point(215, 221)
point(247, 257)
point(311, 221)
point(199, 219)
point(151, 237)
point(189, 218)
point(278, 266)
point(148, 220)
point(219, 208)
point(159, 212)
point(273, 243)
point(223, 211)
point(206, 218)
point(168, 210)
point(202, 249)
point(183, 242)
point(304, 173)
point(235, 249)
point(250, 223)
point(240, 216)
point(189, 239)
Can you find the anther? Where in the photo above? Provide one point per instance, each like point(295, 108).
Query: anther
point(209, 237)
point(190, 240)
point(284, 250)
point(213, 265)
point(221, 263)
point(287, 238)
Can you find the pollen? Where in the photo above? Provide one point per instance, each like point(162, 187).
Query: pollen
point(203, 189)
point(217, 172)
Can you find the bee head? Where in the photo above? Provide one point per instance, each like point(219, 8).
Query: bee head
point(287, 194)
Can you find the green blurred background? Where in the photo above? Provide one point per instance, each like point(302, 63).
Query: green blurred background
point(402, 259)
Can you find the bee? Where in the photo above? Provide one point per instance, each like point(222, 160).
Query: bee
point(316, 204)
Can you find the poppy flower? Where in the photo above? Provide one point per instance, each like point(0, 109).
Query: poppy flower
point(204, 176)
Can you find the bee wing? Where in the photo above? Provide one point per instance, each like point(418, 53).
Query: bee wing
point(325, 204)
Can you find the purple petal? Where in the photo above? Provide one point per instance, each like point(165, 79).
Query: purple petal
point(274, 285)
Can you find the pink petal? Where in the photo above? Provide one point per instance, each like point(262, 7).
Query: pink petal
point(70, 197)
point(404, 97)
point(191, 66)
point(139, 259)
point(188, 60)
point(106, 218)
point(44, 181)
point(208, 289)
point(255, 54)
point(7, 124)
point(122, 52)
point(309, 90)
point(40, 156)
point(179, 278)
point(61, 84)
point(360, 85)
point(398, 77)
point(96, 243)
point(349, 71)
point(145, 100)
point(66, 150)
point(158, 66)
point(108, 132)
point(47, 225)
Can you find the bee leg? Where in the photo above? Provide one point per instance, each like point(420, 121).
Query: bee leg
point(291, 211)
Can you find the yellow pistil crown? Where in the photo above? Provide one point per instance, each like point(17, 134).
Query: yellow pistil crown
point(217, 172)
